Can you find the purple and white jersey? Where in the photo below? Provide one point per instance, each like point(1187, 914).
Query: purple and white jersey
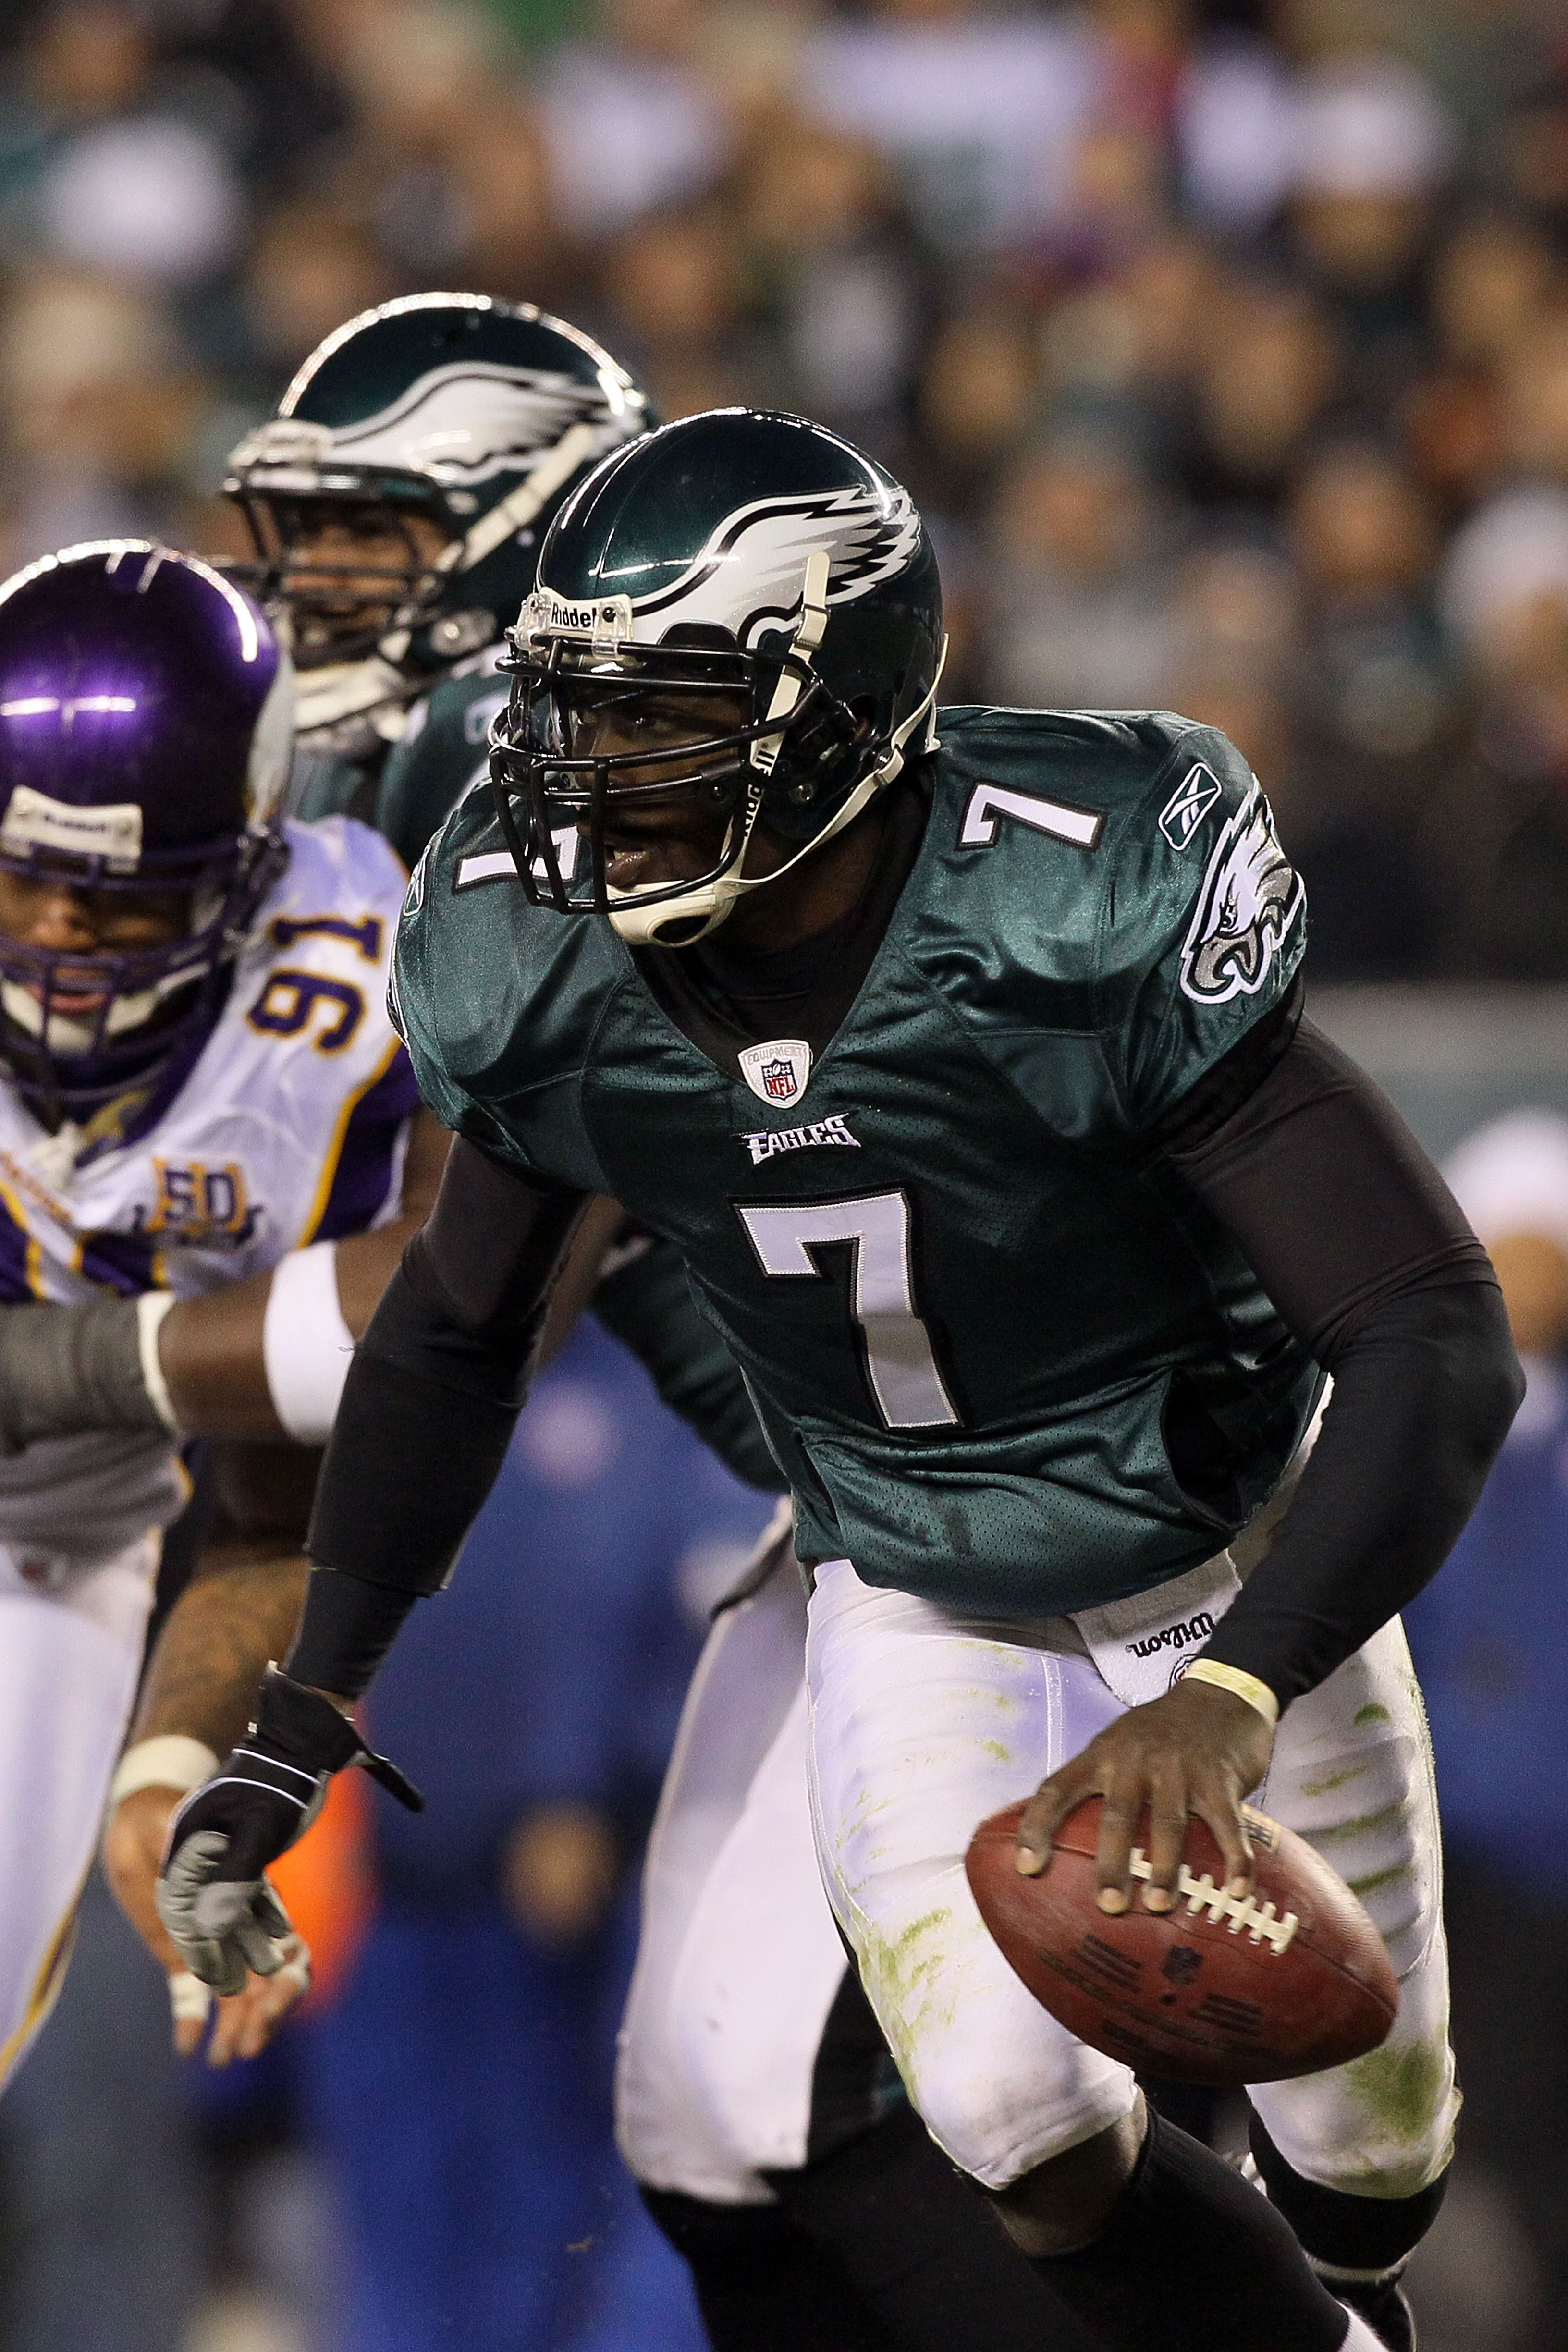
point(290, 1129)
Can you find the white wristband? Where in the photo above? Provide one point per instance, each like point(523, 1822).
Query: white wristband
point(151, 1309)
point(305, 1343)
point(170, 1761)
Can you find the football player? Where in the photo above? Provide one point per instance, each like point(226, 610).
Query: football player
point(397, 503)
point(203, 1111)
point(1057, 1332)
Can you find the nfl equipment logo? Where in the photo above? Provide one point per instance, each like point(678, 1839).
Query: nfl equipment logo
point(777, 1072)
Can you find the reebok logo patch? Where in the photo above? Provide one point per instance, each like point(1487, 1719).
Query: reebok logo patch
point(832, 1130)
point(1188, 805)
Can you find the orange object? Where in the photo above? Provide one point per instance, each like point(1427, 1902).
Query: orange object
point(327, 1883)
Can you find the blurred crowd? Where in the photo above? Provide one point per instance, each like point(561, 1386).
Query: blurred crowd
point(1224, 341)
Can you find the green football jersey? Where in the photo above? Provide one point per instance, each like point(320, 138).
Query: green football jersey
point(969, 1293)
point(404, 789)
point(442, 751)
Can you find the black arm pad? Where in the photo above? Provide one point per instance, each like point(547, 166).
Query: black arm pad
point(411, 1462)
point(346, 1629)
point(1368, 1259)
point(1329, 1193)
point(437, 1381)
point(1425, 1390)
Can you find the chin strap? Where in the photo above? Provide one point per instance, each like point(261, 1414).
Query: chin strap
point(641, 926)
point(340, 691)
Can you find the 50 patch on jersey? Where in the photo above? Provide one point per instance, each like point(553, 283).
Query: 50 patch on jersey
point(200, 1205)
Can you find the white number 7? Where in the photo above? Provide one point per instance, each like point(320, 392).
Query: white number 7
point(899, 1364)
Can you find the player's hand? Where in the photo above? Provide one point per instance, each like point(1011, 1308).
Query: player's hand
point(133, 1844)
point(223, 1917)
point(1199, 1749)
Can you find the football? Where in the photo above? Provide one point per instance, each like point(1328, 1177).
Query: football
point(1218, 1989)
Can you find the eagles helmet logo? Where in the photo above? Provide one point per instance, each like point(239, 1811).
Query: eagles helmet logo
point(1250, 898)
point(462, 424)
point(766, 545)
point(759, 550)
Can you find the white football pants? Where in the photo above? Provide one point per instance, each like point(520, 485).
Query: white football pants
point(739, 1958)
point(922, 1730)
point(924, 1720)
point(70, 1651)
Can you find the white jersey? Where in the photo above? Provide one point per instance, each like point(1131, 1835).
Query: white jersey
point(290, 1129)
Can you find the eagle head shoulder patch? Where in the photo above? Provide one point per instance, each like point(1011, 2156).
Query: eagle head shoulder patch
point(1251, 895)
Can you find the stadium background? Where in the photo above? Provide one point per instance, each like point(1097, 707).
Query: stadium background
point(1225, 348)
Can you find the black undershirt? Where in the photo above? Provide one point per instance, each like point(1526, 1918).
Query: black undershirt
point(1301, 1158)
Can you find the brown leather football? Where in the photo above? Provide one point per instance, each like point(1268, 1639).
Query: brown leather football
point(1218, 1989)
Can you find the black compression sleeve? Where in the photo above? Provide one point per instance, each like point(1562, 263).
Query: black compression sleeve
point(1369, 1262)
point(347, 1628)
point(437, 1381)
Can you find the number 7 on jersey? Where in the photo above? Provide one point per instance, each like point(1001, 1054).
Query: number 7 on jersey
point(899, 1363)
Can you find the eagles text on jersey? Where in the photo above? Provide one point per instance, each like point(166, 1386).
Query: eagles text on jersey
point(964, 1337)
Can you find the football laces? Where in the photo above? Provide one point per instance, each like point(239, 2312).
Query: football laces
point(1242, 1913)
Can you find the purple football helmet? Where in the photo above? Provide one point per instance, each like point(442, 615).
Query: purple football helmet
point(145, 736)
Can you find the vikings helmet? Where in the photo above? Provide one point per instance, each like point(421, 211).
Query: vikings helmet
point(477, 415)
point(145, 737)
point(739, 552)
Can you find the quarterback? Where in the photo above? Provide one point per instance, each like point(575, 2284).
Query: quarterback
point(204, 1109)
point(961, 1056)
point(397, 502)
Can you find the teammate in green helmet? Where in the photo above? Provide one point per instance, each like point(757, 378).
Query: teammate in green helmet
point(398, 498)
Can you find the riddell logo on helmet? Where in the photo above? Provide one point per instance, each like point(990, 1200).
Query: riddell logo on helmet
point(546, 609)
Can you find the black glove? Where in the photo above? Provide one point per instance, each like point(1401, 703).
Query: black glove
point(213, 1897)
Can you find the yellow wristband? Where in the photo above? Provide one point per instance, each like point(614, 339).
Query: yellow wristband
point(1240, 1684)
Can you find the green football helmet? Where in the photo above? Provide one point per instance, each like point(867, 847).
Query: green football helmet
point(744, 556)
point(477, 416)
